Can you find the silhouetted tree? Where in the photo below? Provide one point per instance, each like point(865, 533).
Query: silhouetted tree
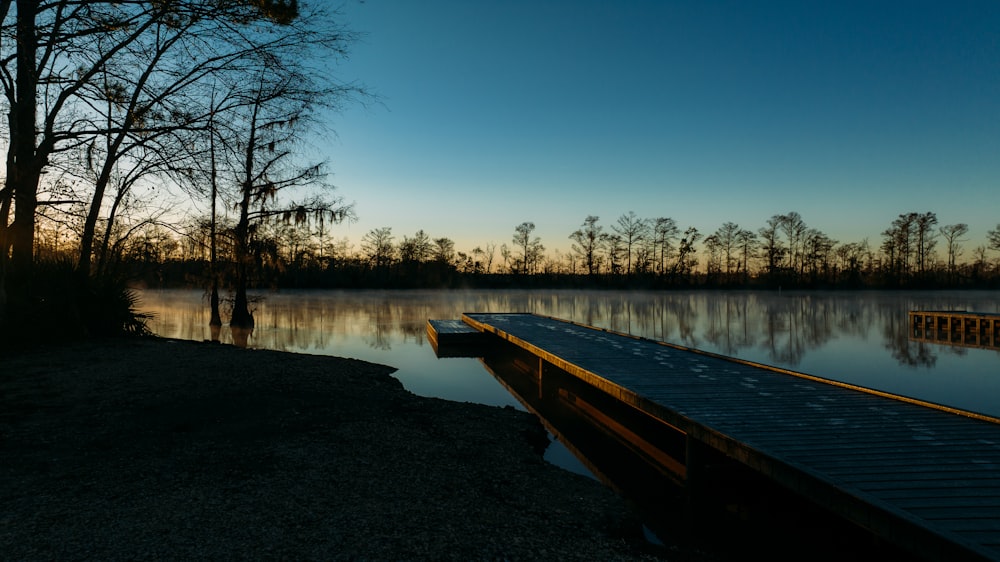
point(979, 265)
point(114, 81)
point(898, 245)
point(925, 238)
point(377, 247)
point(665, 231)
point(818, 250)
point(728, 243)
point(747, 244)
point(484, 258)
point(444, 251)
point(615, 249)
point(687, 259)
point(415, 250)
point(952, 234)
point(144, 101)
point(50, 50)
point(795, 229)
point(993, 238)
point(531, 248)
point(770, 244)
point(588, 242)
point(632, 231)
point(279, 106)
point(713, 265)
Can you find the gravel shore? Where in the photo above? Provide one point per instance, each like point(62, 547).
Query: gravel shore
point(160, 449)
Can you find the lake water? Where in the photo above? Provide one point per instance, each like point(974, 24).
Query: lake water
point(855, 337)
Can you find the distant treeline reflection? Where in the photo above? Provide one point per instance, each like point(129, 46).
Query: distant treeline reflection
point(778, 329)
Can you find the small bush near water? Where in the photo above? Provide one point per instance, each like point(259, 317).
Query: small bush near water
point(61, 306)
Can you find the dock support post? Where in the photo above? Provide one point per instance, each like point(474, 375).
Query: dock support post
point(541, 371)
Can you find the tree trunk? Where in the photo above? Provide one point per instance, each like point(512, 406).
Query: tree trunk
point(216, 318)
point(241, 311)
point(23, 167)
point(103, 255)
point(90, 225)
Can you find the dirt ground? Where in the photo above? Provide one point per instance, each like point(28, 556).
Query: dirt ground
point(149, 448)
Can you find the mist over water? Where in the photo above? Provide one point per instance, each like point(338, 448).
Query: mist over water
point(861, 338)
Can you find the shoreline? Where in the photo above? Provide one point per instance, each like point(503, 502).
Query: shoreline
point(150, 448)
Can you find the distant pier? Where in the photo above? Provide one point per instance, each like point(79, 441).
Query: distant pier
point(956, 327)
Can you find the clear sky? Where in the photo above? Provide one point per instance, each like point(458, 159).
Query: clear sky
point(497, 112)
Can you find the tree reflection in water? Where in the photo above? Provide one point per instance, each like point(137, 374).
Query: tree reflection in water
point(857, 337)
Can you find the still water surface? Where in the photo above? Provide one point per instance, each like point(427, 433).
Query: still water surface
point(855, 337)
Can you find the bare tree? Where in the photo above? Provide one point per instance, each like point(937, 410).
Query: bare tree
point(417, 249)
point(993, 238)
point(506, 256)
point(925, 238)
point(952, 234)
point(102, 75)
point(713, 247)
point(377, 247)
point(531, 248)
point(488, 254)
point(484, 258)
point(687, 259)
point(47, 41)
point(615, 249)
point(632, 230)
point(728, 243)
point(443, 251)
point(817, 251)
point(747, 244)
point(980, 264)
point(771, 245)
point(795, 229)
point(898, 244)
point(279, 105)
point(588, 242)
point(665, 231)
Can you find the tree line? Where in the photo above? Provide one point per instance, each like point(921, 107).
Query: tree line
point(914, 251)
point(120, 112)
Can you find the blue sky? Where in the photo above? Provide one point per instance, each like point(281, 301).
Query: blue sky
point(494, 113)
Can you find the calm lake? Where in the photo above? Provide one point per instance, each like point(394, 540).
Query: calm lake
point(855, 337)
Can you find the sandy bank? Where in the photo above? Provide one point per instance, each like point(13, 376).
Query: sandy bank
point(152, 448)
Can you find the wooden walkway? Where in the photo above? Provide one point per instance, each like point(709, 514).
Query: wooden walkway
point(921, 476)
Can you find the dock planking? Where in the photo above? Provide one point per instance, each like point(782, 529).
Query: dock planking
point(920, 475)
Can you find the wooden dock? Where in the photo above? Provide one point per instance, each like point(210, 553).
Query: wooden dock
point(921, 476)
point(958, 328)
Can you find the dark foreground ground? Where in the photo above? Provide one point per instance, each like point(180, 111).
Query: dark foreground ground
point(146, 448)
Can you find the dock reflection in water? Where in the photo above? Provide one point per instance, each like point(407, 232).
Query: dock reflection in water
point(959, 339)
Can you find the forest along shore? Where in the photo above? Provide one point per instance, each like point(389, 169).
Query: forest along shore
point(146, 447)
